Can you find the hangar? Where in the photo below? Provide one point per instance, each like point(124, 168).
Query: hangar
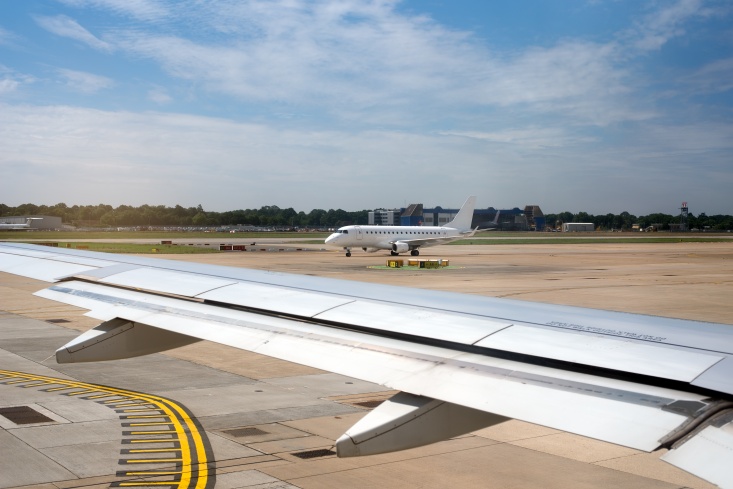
point(516, 219)
point(38, 222)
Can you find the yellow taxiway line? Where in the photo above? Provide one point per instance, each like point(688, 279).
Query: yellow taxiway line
point(194, 470)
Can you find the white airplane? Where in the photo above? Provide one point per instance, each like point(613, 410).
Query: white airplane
point(26, 225)
point(401, 239)
point(461, 362)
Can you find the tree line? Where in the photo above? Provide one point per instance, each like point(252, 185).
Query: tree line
point(625, 221)
point(146, 215)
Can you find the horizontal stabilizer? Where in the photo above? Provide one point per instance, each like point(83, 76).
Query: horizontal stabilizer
point(117, 339)
point(409, 421)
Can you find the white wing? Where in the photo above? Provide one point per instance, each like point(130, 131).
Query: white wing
point(462, 362)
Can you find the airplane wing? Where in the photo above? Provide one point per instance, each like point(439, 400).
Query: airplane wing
point(461, 362)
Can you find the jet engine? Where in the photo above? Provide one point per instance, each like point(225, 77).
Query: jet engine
point(400, 247)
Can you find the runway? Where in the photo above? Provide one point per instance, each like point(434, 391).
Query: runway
point(265, 423)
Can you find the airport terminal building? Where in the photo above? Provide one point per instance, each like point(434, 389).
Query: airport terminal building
point(516, 219)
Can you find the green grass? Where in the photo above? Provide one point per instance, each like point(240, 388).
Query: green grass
point(137, 248)
point(599, 240)
point(30, 236)
point(87, 238)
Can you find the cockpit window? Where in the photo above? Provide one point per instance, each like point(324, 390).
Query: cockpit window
point(345, 231)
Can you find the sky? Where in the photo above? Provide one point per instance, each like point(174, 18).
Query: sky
point(601, 106)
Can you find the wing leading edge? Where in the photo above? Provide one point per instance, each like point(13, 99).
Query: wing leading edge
point(459, 370)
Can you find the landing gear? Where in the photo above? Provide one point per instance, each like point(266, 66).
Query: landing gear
point(415, 252)
point(393, 253)
point(348, 251)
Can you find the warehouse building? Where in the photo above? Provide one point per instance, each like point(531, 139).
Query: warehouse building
point(38, 222)
point(531, 218)
point(576, 227)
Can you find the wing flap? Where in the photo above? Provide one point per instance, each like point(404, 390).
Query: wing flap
point(166, 281)
point(39, 268)
point(414, 321)
point(274, 298)
point(603, 352)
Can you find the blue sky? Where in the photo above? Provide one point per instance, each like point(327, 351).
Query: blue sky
point(575, 105)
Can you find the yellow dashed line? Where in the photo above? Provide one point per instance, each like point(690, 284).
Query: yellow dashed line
point(157, 432)
point(153, 460)
point(155, 440)
point(152, 483)
point(153, 450)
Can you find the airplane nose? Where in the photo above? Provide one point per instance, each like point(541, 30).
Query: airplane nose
point(331, 238)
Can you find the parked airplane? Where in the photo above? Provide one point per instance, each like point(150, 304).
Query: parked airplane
point(461, 362)
point(401, 239)
point(26, 225)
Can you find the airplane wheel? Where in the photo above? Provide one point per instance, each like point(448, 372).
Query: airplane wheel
point(348, 253)
point(393, 253)
point(414, 252)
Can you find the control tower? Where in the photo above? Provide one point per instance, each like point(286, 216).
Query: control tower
point(684, 213)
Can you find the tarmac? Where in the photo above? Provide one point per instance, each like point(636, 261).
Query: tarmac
point(210, 416)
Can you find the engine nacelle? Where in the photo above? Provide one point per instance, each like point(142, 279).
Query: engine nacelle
point(400, 247)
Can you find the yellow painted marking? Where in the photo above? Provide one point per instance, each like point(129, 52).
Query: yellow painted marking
point(152, 424)
point(156, 473)
point(153, 450)
point(167, 440)
point(159, 432)
point(123, 402)
point(153, 460)
point(98, 396)
point(179, 419)
point(146, 416)
point(137, 484)
point(18, 381)
point(36, 385)
point(82, 392)
point(141, 410)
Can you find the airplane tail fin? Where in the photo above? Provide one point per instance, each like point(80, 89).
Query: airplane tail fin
point(463, 219)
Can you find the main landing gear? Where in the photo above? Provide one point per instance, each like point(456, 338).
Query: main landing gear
point(415, 252)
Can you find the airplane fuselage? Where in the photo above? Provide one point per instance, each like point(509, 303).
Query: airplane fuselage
point(398, 239)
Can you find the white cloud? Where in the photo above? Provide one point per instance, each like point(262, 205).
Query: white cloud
point(147, 10)
point(64, 26)
point(366, 61)
point(159, 95)
point(8, 85)
point(658, 27)
point(530, 138)
point(6, 37)
point(83, 82)
point(11, 81)
point(135, 158)
point(715, 77)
